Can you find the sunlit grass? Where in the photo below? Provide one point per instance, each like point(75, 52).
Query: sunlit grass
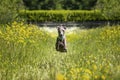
point(96, 50)
point(28, 53)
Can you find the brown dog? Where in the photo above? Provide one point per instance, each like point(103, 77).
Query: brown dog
point(61, 40)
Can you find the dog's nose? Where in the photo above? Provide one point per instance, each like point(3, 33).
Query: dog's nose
point(61, 34)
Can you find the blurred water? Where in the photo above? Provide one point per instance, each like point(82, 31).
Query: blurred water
point(54, 29)
point(84, 24)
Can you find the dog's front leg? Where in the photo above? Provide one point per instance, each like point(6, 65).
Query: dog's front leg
point(57, 44)
point(65, 47)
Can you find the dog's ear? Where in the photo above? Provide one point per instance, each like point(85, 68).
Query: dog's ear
point(64, 27)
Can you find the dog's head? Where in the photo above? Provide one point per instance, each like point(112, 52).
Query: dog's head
point(61, 30)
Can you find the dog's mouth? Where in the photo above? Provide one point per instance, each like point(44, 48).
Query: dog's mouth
point(61, 34)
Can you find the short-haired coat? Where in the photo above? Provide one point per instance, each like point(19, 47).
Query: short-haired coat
point(61, 39)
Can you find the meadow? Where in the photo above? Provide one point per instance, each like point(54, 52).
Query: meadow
point(27, 52)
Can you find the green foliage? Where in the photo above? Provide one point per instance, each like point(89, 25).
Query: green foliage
point(62, 15)
point(110, 8)
point(21, 42)
point(28, 53)
point(59, 4)
point(9, 10)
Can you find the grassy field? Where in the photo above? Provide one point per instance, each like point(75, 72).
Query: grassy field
point(28, 53)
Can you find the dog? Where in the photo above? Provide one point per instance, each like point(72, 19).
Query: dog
point(61, 39)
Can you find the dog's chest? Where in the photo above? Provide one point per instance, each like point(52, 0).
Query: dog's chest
point(61, 38)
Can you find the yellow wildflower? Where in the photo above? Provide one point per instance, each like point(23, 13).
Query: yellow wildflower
point(59, 76)
point(0, 32)
point(96, 76)
point(103, 77)
point(88, 71)
point(85, 77)
point(94, 67)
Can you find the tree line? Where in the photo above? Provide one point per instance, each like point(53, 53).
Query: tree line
point(9, 9)
point(59, 4)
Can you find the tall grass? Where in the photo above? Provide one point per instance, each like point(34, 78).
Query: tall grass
point(98, 52)
point(28, 53)
point(21, 47)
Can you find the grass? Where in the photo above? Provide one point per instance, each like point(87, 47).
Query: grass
point(28, 53)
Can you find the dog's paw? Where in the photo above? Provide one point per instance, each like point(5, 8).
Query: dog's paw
point(65, 50)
